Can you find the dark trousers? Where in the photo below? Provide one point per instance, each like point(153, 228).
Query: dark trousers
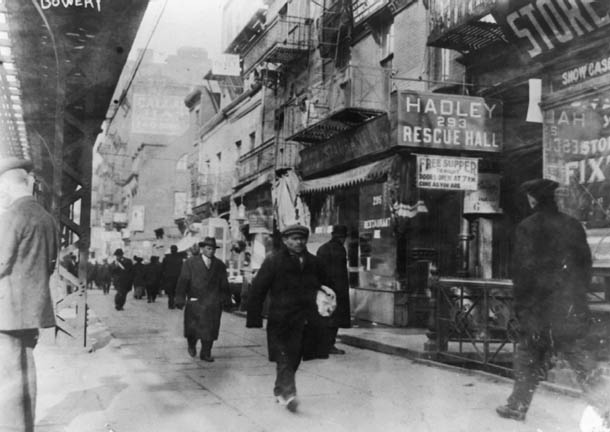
point(332, 335)
point(105, 287)
point(17, 380)
point(285, 383)
point(119, 298)
point(151, 292)
point(532, 360)
point(206, 345)
point(170, 290)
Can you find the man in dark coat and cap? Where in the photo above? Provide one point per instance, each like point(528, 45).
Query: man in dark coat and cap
point(203, 286)
point(551, 270)
point(122, 269)
point(333, 257)
point(292, 277)
point(28, 253)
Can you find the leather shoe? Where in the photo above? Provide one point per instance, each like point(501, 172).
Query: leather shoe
point(192, 351)
point(509, 412)
point(206, 357)
point(335, 350)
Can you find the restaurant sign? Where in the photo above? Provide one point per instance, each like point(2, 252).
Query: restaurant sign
point(541, 26)
point(441, 121)
point(576, 138)
point(449, 173)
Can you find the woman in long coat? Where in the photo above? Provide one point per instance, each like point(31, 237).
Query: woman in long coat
point(292, 277)
point(203, 286)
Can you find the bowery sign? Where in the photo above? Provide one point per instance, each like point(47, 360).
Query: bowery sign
point(440, 121)
point(540, 26)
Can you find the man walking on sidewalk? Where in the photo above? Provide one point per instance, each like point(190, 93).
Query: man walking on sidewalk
point(203, 286)
point(172, 264)
point(333, 258)
point(28, 251)
point(292, 277)
point(551, 275)
point(123, 278)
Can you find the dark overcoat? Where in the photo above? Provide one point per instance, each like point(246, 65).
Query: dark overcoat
point(293, 325)
point(551, 273)
point(28, 251)
point(172, 265)
point(333, 257)
point(123, 277)
point(203, 291)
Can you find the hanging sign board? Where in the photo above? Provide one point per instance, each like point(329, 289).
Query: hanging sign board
point(442, 121)
point(540, 27)
point(486, 199)
point(449, 173)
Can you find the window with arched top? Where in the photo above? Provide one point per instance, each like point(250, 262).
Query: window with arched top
point(181, 165)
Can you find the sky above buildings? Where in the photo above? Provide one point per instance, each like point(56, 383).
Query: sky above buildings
point(183, 23)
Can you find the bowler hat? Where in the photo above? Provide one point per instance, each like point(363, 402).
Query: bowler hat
point(540, 188)
point(340, 230)
point(295, 229)
point(209, 241)
point(11, 162)
point(118, 252)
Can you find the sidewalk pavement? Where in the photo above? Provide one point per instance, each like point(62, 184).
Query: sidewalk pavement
point(134, 375)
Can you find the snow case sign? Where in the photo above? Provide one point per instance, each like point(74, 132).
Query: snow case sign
point(577, 155)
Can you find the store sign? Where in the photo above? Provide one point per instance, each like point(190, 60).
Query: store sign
point(582, 72)
point(541, 26)
point(158, 111)
point(576, 138)
point(449, 173)
point(440, 121)
point(136, 221)
point(486, 199)
point(374, 207)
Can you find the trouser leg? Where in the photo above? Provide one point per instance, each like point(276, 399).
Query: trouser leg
point(192, 342)
point(332, 334)
point(206, 348)
point(17, 380)
point(529, 367)
point(595, 386)
point(119, 298)
point(285, 380)
point(171, 292)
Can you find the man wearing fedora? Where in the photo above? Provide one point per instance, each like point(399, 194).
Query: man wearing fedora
point(333, 257)
point(551, 272)
point(28, 252)
point(122, 269)
point(203, 288)
point(292, 277)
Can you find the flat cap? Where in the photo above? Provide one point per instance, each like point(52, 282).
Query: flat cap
point(11, 162)
point(295, 229)
point(540, 188)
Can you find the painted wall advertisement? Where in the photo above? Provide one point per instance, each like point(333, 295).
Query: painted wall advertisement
point(441, 121)
point(136, 220)
point(158, 112)
point(576, 154)
point(445, 172)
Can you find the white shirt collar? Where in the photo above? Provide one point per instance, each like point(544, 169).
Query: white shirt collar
point(207, 261)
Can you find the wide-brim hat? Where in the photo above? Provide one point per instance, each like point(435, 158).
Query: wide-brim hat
point(540, 188)
point(209, 241)
point(295, 229)
point(11, 162)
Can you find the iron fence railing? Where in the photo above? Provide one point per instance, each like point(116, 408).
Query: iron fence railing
point(475, 323)
point(256, 161)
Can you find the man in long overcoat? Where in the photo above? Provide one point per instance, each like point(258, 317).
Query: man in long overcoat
point(28, 251)
point(551, 276)
point(292, 277)
point(203, 286)
point(333, 257)
point(122, 270)
point(171, 265)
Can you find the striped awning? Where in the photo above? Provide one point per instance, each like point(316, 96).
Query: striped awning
point(370, 172)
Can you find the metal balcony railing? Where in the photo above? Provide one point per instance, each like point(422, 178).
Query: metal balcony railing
point(287, 154)
point(285, 39)
point(346, 100)
point(256, 161)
